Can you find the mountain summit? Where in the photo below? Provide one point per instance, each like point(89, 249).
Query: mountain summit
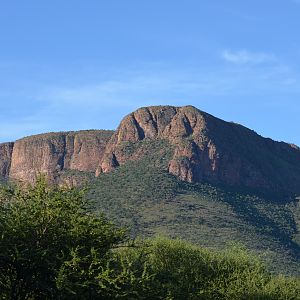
point(205, 149)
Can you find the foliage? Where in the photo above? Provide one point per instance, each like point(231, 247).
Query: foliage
point(52, 246)
point(42, 231)
point(174, 269)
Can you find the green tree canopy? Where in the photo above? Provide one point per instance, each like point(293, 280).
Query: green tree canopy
point(53, 246)
point(43, 231)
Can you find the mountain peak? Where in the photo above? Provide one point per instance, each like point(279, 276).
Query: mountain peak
point(207, 149)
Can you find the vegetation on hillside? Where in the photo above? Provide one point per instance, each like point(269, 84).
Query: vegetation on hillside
point(53, 246)
point(142, 196)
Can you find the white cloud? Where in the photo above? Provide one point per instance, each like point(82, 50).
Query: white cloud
point(131, 89)
point(246, 57)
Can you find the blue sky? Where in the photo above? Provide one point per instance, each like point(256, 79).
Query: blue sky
point(74, 64)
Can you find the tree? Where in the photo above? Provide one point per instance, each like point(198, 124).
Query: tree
point(43, 232)
point(52, 246)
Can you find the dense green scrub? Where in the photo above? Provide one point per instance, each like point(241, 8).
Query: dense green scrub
point(174, 269)
point(54, 246)
point(143, 197)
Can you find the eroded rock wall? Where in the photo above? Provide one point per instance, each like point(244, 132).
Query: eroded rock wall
point(6, 150)
point(53, 153)
point(207, 149)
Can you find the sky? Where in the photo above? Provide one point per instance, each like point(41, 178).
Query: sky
point(85, 64)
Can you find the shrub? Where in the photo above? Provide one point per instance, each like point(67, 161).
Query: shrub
point(43, 232)
point(173, 269)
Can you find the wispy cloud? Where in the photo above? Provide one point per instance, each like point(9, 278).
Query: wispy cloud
point(103, 102)
point(172, 85)
point(242, 15)
point(246, 57)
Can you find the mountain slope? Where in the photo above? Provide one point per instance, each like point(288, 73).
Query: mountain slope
point(144, 197)
point(207, 149)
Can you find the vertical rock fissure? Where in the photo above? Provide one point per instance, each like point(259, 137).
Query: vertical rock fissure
point(187, 125)
point(10, 160)
point(140, 131)
point(63, 156)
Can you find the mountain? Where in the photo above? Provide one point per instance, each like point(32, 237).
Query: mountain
point(144, 197)
point(181, 172)
point(206, 149)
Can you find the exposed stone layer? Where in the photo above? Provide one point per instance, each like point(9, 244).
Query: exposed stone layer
point(6, 150)
point(207, 149)
point(54, 152)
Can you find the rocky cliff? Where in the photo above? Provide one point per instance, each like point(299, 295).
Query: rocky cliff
point(205, 149)
point(6, 150)
point(53, 153)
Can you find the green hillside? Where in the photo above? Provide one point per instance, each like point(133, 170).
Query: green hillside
point(142, 196)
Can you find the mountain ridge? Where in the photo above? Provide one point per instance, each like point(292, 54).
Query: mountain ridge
point(206, 148)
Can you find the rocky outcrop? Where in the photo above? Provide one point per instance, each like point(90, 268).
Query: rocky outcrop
point(52, 153)
point(6, 150)
point(207, 149)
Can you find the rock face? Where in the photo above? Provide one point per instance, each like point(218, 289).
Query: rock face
point(6, 150)
point(207, 149)
point(55, 152)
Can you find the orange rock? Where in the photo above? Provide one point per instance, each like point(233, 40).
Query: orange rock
point(52, 153)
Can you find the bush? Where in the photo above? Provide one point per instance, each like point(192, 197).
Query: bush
point(43, 232)
point(174, 269)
